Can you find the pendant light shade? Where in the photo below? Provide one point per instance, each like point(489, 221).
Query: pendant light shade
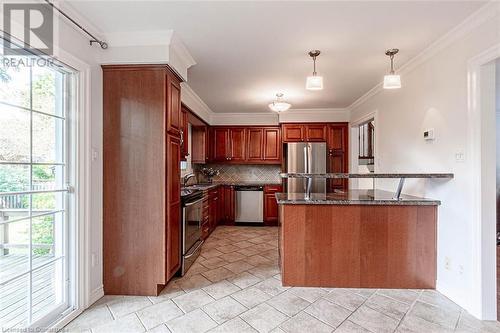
point(314, 82)
point(392, 80)
point(279, 105)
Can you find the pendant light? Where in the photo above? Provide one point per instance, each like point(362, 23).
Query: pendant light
point(314, 82)
point(279, 104)
point(392, 80)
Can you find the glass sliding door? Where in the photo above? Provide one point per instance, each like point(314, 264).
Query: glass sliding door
point(35, 174)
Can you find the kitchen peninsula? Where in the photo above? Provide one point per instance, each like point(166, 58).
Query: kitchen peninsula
point(358, 238)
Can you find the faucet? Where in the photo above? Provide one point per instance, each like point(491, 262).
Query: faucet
point(186, 178)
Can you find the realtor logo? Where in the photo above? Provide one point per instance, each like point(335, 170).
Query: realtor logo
point(29, 28)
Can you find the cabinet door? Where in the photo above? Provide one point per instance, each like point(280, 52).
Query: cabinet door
point(228, 205)
point(220, 144)
point(270, 204)
point(198, 144)
point(255, 143)
point(292, 132)
point(316, 133)
point(184, 134)
point(173, 205)
point(237, 144)
point(338, 154)
point(174, 117)
point(272, 145)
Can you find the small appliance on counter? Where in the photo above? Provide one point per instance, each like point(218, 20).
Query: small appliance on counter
point(191, 219)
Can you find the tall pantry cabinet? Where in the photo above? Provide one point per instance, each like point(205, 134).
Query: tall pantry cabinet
point(142, 151)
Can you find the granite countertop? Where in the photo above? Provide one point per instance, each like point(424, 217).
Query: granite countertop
point(367, 175)
point(353, 197)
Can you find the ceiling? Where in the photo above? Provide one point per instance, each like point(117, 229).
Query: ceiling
point(246, 52)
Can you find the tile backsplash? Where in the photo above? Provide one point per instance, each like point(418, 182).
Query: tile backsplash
point(246, 173)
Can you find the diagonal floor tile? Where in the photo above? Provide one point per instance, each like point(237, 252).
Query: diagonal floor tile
point(236, 325)
point(373, 320)
point(193, 300)
point(159, 313)
point(224, 309)
point(288, 303)
point(196, 321)
point(250, 297)
point(221, 289)
point(302, 322)
point(263, 318)
point(330, 313)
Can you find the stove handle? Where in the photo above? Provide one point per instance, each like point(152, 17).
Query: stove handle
point(194, 250)
point(193, 203)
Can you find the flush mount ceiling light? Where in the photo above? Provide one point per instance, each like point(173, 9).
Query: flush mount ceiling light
point(314, 82)
point(392, 80)
point(279, 104)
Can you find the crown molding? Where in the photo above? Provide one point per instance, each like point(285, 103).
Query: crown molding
point(195, 103)
point(75, 14)
point(180, 49)
point(486, 12)
point(315, 115)
point(245, 118)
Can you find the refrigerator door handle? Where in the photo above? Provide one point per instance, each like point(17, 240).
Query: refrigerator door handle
point(306, 167)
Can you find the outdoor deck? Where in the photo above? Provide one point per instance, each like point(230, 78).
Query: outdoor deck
point(14, 294)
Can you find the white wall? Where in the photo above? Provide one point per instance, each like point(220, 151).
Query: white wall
point(434, 95)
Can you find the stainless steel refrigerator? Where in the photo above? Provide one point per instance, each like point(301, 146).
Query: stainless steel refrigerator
point(306, 158)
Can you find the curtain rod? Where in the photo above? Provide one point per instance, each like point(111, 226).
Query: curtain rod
point(94, 39)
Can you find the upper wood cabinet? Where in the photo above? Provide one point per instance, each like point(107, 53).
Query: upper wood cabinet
point(237, 144)
point(141, 178)
point(199, 144)
point(293, 132)
point(272, 145)
point(255, 144)
point(174, 113)
point(338, 149)
point(314, 132)
point(248, 145)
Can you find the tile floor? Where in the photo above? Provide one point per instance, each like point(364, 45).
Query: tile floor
point(235, 286)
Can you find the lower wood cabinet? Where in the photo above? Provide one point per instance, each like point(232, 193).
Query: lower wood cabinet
point(270, 204)
point(227, 204)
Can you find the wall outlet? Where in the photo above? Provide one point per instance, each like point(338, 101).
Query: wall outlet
point(447, 263)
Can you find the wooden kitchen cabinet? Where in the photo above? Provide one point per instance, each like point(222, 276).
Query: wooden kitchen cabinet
point(270, 204)
point(246, 145)
point(199, 144)
point(227, 203)
point(213, 210)
point(237, 144)
point(293, 132)
point(184, 134)
point(174, 110)
point(338, 149)
point(220, 144)
point(141, 178)
point(173, 186)
point(313, 132)
point(316, 132)
point(255, 144)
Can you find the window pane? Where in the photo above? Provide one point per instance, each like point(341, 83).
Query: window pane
point(14, 303)
point(14, 178)
point(15, 85)
point(48, 288)
point(14, 207)
point(14, 134)
point(47, 232)
point(14, 258)
point(45, 202)
point(47, 177)
point(47, 90)
point(47, 139)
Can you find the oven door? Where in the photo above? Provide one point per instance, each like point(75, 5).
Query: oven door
point(191, 224)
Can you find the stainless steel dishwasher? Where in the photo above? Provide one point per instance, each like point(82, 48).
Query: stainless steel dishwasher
point(249, 203)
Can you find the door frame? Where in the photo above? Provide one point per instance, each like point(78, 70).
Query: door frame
point(483, 226)
point(80, 293)
point(354, 145)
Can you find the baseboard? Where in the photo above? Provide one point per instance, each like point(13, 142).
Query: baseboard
point(96, 294)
